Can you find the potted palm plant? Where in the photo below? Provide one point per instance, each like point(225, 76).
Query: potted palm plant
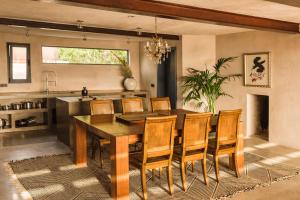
point(205, 87)
point(129, 82)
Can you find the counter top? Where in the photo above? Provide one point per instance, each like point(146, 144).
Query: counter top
point(68, 94)
point(79, 98)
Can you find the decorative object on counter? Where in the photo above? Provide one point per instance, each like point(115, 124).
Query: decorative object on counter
point(84, 92)
point(26, 122)
point(129, 82)
point(204, 87)
point(157, 49)
point(257, 69)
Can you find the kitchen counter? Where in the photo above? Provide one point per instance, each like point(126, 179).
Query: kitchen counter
point(60, 106)
point(77, 94)
point(80, 99)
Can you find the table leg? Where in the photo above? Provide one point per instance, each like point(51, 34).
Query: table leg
point(80, 145)
point(119, 167)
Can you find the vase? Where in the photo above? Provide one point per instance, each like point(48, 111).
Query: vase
point(130, 84)
point(84, 92)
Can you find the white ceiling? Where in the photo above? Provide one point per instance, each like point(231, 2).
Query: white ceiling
point(52, 12)
point(259, 8)
point(34, 10)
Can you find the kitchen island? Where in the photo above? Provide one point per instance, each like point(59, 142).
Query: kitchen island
point(69, 106)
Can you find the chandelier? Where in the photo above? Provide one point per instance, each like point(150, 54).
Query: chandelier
point(157, 49)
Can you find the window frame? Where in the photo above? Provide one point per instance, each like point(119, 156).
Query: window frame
point(45, 63)
point(10, 46)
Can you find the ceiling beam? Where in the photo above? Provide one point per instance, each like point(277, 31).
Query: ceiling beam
point(294, 3)
point(85, 29)
point(187, 13)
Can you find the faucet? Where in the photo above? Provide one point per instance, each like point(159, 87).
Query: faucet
point(48, 78)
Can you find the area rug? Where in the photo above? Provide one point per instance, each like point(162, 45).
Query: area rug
point(57, 178)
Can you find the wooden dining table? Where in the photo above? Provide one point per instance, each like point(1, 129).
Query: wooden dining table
point(123, 130)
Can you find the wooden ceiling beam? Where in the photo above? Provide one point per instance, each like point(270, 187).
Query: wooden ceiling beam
point(86, 29)
point(187, 13)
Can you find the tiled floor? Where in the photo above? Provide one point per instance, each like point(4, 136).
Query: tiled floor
point(16, 146)
point(288, 189)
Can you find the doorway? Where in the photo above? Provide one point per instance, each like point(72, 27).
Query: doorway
point(258, 116)
point(167, 78)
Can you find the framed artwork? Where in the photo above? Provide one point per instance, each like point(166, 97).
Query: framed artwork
point(257, 70)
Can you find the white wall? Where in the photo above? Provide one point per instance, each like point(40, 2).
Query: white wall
point(70, 77)
point(148, 70)
point(198, 51)
point(284, 95)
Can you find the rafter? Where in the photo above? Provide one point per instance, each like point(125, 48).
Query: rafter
point(86, 29)
point(187, 13)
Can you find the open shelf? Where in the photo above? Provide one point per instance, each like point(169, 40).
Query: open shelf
point(25, 128)
point(40, 115)
point(5, 112)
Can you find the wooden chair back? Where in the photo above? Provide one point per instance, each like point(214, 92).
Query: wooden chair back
point(228, 127)
point(99, 107)
point(130, 105)
point(158, 137)
point(195, 131)
point(160, 104)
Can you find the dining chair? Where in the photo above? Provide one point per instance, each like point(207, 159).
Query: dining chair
point(164, 104)
point(194, 144)
point(99, 107)
point(157, 150)
point(226, 141)
point(131, 105)
point(160, 104)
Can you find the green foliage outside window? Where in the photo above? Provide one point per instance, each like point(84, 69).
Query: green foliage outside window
point(91, 56)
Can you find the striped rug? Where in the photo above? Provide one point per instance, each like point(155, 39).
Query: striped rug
point(56, 178)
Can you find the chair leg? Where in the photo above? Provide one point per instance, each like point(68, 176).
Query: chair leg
point(153, 174)
point(216, 162)
point(94, 148)
point(160, 172)
point(144, 183)
point(183, 174)
point(204, 170)
point(237, 172)
point(100, 155)
point(193, 165)
point(170, 179)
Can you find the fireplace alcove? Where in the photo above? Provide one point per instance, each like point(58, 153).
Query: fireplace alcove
point(258, 116)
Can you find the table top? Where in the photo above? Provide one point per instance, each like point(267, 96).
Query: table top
point(110, 124)
point(135, 118)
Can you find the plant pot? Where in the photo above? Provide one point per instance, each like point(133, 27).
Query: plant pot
point(130, 84)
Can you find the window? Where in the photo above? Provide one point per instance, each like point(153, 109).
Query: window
point(85, 56)
point(18, 57)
